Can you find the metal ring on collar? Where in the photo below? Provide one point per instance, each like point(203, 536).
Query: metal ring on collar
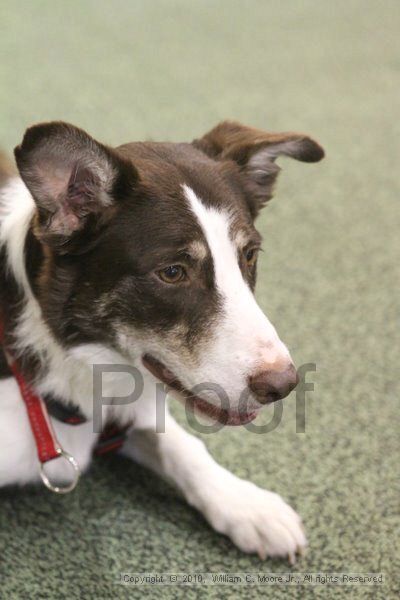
point(66, 489)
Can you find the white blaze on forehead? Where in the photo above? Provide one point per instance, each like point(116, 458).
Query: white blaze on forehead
point(245, 330)
point(215, 225)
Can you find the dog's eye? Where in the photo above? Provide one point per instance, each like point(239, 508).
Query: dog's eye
point(251, 256)
point(172, 274)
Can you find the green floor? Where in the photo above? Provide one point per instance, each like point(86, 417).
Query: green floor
point(171, 69)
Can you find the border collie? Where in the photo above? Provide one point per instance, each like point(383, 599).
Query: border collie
point(145, 256)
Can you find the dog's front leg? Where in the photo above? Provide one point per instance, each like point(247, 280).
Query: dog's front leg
point(256, 520)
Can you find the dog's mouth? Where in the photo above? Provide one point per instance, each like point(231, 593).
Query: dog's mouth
point(222, 415)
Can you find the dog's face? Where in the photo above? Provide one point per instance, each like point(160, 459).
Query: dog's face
point(151, 249)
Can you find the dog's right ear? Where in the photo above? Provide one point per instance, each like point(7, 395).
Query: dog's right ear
point(74, 181)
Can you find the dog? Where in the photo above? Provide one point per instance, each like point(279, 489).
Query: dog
point(144, 256)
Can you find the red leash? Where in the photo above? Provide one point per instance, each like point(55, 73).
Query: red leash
point(47, 445)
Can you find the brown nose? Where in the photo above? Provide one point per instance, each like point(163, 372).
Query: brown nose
point(270, 386)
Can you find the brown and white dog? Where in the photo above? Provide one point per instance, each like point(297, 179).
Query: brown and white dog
point(145, 255)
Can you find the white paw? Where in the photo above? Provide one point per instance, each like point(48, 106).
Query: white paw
point(256, 520)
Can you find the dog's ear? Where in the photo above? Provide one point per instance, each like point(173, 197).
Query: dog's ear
point(74, 181)
point(255, 152)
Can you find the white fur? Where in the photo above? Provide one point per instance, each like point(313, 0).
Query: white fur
point(256, 520)
point(16, 211)
point(243, 341)
point(19, 463)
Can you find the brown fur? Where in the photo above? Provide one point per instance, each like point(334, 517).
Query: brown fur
point(231, 141)
point(108, 219)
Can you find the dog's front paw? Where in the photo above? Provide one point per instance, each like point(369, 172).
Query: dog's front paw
point(256, 520)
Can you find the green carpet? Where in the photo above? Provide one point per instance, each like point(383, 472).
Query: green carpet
point(329, 277)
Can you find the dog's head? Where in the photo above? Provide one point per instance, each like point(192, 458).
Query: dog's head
point(151, 249)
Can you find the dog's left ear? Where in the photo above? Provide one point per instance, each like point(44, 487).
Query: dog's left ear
point(75, 182)
point(255, 152)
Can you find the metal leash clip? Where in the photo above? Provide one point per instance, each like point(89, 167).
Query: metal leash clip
point(66, 489)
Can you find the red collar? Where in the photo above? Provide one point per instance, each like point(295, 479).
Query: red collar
point(47, 446)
